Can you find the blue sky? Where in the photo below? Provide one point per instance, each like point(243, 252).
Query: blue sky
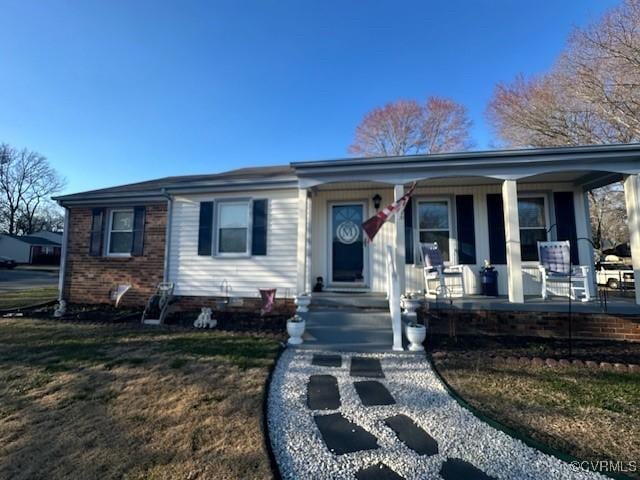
point(119, 91)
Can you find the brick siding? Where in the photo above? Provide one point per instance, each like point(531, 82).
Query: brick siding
point(89, 279)
point(544, 324)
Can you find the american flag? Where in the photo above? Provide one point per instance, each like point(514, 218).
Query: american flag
point(373, 225)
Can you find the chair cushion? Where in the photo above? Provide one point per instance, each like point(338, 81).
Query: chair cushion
point(431, 256)
point(555, 259)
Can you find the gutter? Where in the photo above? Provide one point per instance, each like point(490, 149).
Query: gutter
point(501, 156)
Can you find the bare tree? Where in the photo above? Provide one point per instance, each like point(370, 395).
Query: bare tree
point(49, 217)
point(26, 183)
point(608, 216)
point(406, 127)
point(602, 62)
point(592, 94)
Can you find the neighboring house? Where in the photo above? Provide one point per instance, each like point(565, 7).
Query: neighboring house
point(32, 249)
point(281, 227)
point(55, 237)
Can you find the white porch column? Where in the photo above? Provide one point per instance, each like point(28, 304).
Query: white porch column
point(632, 199)
point(302, 241)
point(583, 230)
point(398, 192)
point(308, 285)
point(512, 236)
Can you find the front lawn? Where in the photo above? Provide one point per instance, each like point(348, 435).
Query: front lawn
point(101, 401)
point(592, 414)
point(27, 297)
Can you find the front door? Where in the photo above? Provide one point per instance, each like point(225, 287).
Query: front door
point(347, 244)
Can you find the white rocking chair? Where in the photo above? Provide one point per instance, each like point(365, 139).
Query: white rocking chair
point(558, 276)
point(437, 276)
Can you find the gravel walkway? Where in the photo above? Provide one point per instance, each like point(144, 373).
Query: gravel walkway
point(301, 451)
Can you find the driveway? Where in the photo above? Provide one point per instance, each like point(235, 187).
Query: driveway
point(21, 279)
point(371, 416)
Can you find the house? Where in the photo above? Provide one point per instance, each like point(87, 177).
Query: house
point(55, 237)
point(42, 248)
point(229, 234)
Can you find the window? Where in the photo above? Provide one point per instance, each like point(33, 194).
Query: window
point(434, 224)
point(233, 228)
point(120, 238)
point(533, 226)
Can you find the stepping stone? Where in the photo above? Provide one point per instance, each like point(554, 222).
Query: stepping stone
point(456, 469)
point(412, 435)
point(323, 393)
point(327, 360)
point(342, 436)
point(366, 367)
point(378, 471)
point(373, 393)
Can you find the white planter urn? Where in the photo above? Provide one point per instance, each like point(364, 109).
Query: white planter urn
point(302, 303)
point(295, 329)
point(416, 335)
point(410, 306)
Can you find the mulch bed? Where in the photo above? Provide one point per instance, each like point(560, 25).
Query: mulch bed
point(510, 346)
point(235, 321)
point(231, 321)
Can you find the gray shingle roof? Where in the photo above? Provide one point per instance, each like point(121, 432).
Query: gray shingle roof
point(33, 240)
point(156, 185)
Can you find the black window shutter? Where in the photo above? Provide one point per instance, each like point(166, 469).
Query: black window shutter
point(259, 226)
point(497, 237)
point(97, 232)
point(566, 221)
point(409, 258)
point(137, 245)
point(466, 230)
point(205, 228)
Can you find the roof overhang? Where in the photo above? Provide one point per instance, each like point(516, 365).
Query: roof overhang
point(604, 164)
point(161, 195)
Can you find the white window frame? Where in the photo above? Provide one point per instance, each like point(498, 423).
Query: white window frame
point(545, 200)
point(453, 242)
point(233, 201)
point(110, 231)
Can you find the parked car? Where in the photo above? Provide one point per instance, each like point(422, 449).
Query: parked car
point(614, 274)
point(6, 262)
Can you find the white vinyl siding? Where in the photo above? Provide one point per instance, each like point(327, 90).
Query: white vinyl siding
point(413, 273)
point(196, 275)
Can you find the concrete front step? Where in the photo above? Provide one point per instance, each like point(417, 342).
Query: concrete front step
point(349, 300)
point(348, 330)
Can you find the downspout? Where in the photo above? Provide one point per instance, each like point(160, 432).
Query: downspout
point(167, 236)
point(63, 256)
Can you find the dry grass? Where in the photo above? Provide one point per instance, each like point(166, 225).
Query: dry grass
point(594, 415)
point(27, 297)
point(94, 401)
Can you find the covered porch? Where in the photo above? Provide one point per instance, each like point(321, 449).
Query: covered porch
point(491, 206)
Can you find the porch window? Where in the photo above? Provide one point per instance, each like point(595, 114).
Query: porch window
point(434, 224)
point(120, 237)
point(533, 226)
point(233, 228)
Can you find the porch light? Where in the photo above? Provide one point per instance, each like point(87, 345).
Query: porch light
point(376, 201)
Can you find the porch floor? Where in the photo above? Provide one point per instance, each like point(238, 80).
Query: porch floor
point(618, 305)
